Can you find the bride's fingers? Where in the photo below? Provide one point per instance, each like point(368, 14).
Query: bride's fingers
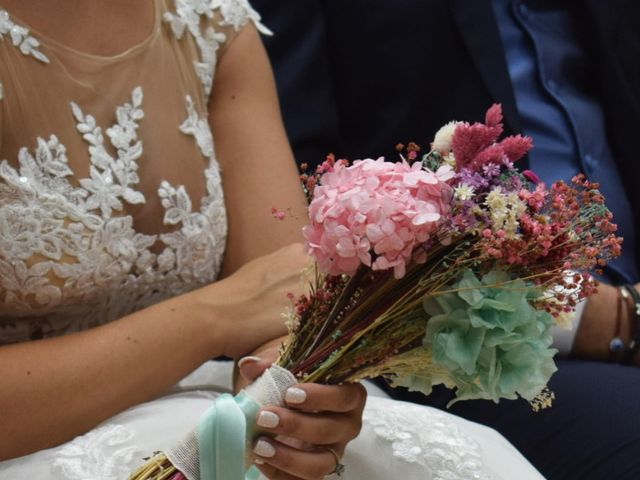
point(308, 465)
point(251, 367)
point(272, 473)
point(312, 397)
point(314, 428)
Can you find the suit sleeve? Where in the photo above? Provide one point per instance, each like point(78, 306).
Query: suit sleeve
point(299, 54)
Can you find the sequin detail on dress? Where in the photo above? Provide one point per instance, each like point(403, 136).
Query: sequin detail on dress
point(20, 37)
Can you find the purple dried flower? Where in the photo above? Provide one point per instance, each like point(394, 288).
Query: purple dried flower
point(472, 179)
point(491, 169)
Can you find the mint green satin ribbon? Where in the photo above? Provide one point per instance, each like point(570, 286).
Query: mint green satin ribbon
point(223, 432)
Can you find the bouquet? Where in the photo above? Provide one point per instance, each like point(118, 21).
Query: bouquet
point(444, 268)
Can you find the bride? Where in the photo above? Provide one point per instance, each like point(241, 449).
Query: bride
point(124, 267)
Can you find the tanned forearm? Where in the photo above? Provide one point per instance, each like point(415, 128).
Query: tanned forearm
point(55, 389)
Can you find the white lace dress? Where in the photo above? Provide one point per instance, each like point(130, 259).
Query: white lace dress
point(91, 230)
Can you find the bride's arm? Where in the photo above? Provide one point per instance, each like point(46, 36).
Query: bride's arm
point(258, 167)
point(259, 173)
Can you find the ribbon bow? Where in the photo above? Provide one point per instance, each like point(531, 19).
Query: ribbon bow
point(225, 430)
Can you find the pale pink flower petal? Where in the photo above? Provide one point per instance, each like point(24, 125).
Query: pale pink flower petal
point(375, 207)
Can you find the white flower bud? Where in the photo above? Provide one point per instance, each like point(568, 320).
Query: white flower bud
point(442, 140)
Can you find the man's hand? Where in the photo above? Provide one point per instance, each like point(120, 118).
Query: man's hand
point(598, 325)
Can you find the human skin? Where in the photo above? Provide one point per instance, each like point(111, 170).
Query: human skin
point(598, 325)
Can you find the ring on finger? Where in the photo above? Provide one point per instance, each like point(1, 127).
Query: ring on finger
point(339, 468)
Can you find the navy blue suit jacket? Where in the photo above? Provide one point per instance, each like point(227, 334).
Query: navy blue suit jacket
point(356, 77)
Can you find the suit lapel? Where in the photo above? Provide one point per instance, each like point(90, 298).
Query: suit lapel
point(477, 26)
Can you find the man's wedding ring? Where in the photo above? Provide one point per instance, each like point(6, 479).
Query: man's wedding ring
point(339, 468)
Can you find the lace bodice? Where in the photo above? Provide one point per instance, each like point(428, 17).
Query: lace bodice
point(110, 192)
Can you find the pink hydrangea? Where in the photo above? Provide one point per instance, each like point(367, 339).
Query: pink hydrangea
point(375, 213)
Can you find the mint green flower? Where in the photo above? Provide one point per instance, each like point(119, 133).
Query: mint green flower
point(491, 340)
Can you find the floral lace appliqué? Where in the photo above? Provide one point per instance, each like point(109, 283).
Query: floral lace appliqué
point(69, 254)
point(195, 16)
point(99, 455)
point(429, 439)
point(238, 12)
point(112, 178)
point(20, 37)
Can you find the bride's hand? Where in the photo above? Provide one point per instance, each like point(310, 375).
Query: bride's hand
point(300, 438)
point(248, 305)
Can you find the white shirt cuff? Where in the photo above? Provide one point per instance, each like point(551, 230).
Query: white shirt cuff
point(564, 338)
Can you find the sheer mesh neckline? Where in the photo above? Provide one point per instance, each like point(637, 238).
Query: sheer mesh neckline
point(54, 44)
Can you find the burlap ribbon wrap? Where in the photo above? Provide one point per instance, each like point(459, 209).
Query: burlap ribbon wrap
point(218, 448)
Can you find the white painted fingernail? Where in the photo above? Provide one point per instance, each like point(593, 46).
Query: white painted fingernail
point(268, 419)
point(244, 360)
point(264, 449)
point(257, 461)
point(295, 395)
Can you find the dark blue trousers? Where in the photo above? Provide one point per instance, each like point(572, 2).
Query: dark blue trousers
point(592, 432)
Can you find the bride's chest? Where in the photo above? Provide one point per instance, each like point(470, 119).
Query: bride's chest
point(110, 193)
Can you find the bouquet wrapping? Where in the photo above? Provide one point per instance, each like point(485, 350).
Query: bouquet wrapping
point(269, 389)
point(444, 268)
